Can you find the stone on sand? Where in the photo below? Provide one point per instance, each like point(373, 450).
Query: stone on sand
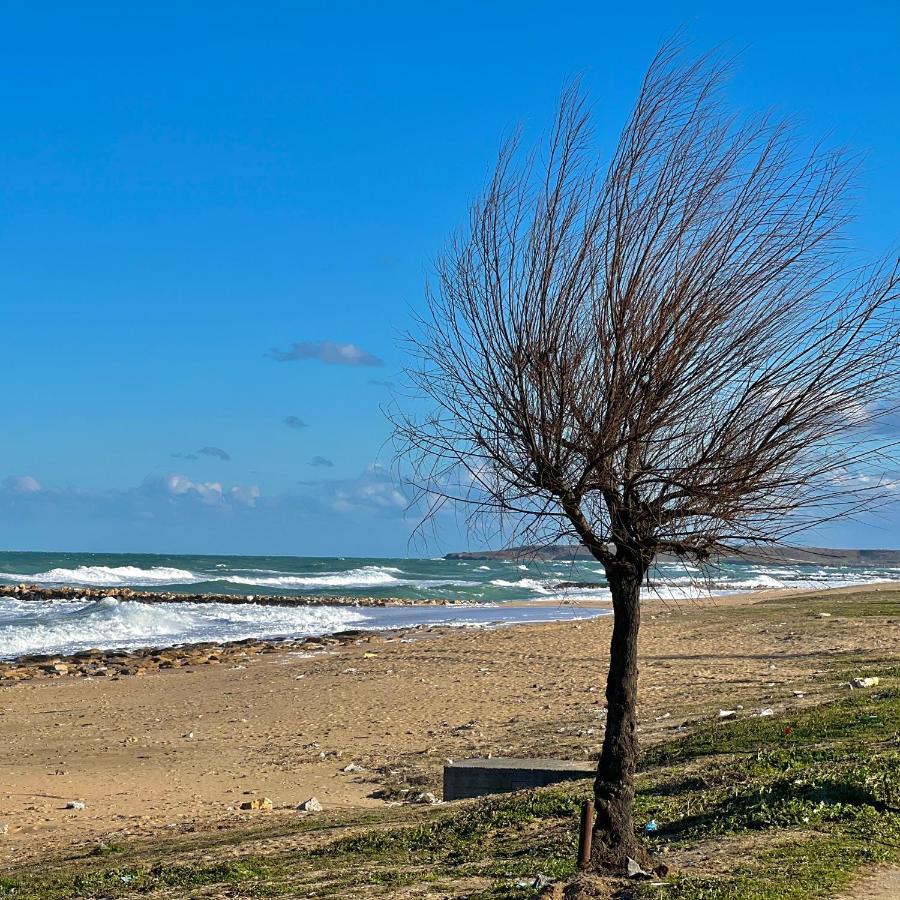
point(265, 804)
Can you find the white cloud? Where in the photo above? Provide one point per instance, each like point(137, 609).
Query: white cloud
point(22, 484)
point(884, 481)
point(245, 495)
point(209, 492)
point(374, 489)
point(176, 496)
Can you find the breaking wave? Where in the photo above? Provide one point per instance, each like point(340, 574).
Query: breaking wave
point(529, 584)
point(109, 576)
point(66, 626)
point(367, 576)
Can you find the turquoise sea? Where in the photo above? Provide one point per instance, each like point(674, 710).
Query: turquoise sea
point(486, 586)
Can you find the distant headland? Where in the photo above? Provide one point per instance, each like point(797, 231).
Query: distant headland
point(821, 556)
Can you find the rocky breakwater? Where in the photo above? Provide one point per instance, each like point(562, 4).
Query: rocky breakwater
point(38, 592)
point(96, 663)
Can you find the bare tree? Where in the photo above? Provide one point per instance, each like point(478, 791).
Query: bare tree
point(672, 352)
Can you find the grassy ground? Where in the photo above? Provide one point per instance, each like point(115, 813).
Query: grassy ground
point(763, 808)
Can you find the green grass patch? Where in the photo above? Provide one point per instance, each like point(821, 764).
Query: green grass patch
point(815, 866)
point(123, 881)
point(503, 838)
point(864, 604)
point(868, 717)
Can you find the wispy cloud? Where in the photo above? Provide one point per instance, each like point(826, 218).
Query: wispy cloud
point(22, 484)
point(375, 490)
point(327, 352)
point(215, 452)
point(208, 492)
point(183, 490)
point(294, 422)
point(384, 384)
point(156, 495)
point(880, 482)
point(176, 499)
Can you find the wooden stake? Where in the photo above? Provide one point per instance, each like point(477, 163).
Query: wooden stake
point(584, 836)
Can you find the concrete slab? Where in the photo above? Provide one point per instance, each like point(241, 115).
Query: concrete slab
point(480, 777)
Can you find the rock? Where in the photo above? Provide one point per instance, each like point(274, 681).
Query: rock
point(4, 828)
point(823, 615)
point(75, 804)
point(767, 712)
point(265, 804)
point(634, 870)
point(58, 668)
point(727, 713)
point(427, 797)
point(311, 805)
point(539, 882)
point(864, 682)
point(352, 767)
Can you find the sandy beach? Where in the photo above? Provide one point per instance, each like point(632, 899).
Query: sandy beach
point(181, 749)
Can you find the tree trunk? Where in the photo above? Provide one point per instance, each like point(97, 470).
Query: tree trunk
point(614, 838)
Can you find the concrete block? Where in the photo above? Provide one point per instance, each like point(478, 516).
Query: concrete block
point(480, 777)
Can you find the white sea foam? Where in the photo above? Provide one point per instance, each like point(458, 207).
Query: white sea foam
point(109, 576)
point(367, 576)
point(65, 626)
point(529, 584)
point(761, 582)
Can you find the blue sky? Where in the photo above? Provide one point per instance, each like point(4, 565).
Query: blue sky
point(189, 188)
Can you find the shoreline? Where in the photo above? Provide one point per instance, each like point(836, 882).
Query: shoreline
point(118, 662)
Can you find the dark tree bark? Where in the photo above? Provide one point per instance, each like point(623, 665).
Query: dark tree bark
point(614, 833)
